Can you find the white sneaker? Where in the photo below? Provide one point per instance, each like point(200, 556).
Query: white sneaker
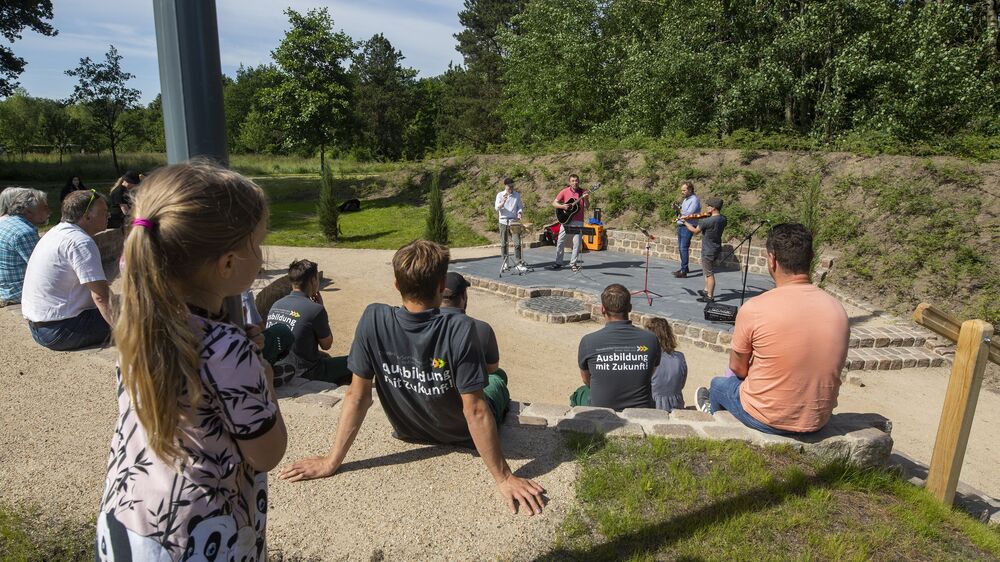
point(701, 398)
point(521, 268)
point(504, 267)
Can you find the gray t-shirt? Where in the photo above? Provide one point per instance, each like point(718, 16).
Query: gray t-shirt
point(424, 362)
point(712, 228)
point(487, 338)
point(621, 359)
point(308, 322)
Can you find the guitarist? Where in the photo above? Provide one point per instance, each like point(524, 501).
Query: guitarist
point(690, 204)
point(571, 193)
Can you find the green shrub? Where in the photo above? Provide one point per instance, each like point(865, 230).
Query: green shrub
point(437, 220)
point(327, 210)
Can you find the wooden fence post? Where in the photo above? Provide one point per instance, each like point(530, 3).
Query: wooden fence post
point(959, 408)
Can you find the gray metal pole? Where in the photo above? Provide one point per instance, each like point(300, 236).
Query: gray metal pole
point(187, 47)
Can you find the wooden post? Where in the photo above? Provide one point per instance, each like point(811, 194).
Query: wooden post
point(959, 408)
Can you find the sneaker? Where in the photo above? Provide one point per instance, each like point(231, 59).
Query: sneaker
point(705, 299)
point(504, 267)
point(521, 268)
point(702, 293)
point(701, 398)
point(575, 268)
point(680, 274)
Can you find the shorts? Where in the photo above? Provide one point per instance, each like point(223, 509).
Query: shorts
point(707, 265)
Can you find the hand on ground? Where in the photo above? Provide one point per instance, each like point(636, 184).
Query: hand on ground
point(307, 469)
point(255, 335)
point(522, 492)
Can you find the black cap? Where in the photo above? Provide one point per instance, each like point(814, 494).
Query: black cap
point(508, 181)
point(455, 284)
point(132, 177)
point(714, 202)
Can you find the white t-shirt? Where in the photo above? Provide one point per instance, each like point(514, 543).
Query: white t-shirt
point(64, 259)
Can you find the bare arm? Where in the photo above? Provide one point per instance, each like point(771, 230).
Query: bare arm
point(559, 204)
point(585, 375)
point(356, 404)
point(694, 229)
point(492, 367)
point(325, 343)
point(265, 452)
point(515, 491)
point(739, 363)
point(101, 293)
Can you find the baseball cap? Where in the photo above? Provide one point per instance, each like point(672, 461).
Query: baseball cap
point(455, 284)
point(714, 202)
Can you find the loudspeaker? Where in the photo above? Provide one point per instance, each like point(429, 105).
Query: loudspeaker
point(716, 312)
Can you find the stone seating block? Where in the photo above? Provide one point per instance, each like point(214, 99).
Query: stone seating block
point(726, 418)
point(729, 432)
point(551, 412)
point(691, 416)
point(592, 413)
point(674, 430)
point(646, 417)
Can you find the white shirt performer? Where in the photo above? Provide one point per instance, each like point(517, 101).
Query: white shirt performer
point(508, 205)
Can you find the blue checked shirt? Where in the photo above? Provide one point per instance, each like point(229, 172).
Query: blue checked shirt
point(17, 240)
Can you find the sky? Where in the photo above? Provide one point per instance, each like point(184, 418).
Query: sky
point(248, 30)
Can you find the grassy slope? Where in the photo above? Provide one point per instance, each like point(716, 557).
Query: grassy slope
point(646, 499)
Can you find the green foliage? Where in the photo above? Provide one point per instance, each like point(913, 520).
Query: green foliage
point(677, 499)
point(28, 535)
point(15, 17)
point(102, 88)
point(437, 223)
point(327, 208)
point(311, 104)
point(248, 128)
point(382, 97)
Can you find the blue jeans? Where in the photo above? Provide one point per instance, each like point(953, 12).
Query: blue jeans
point(724, 394)
point(684, 246)
point(84, 330)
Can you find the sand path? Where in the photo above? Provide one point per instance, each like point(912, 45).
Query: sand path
point(405, 501)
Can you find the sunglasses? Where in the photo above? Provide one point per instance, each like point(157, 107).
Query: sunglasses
point(93, 195)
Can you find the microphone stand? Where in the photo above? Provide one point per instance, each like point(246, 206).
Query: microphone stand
point(645, 288)
point(746, 261)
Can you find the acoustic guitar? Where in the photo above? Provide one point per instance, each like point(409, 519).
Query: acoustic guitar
point(565, 215)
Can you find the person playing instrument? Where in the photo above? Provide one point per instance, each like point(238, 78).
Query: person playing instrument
point(711, 242)
point(617, 361)
point(789, 347)
point(690, 204)
point(564, 200)
point(431, 378)
point(199, 425)
point(508, 205)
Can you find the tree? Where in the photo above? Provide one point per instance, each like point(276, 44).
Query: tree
point(241, 98)
point(383, 96)
point(329, 214)
point(312, 103)
point(437, 219)
point(15, 16)
point(58, 126)
point(102, 88)
point(20, 122)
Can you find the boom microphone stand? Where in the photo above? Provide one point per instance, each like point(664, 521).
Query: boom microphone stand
point(748, 240)
point(645, 288)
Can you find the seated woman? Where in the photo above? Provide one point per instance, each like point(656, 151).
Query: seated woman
point(671, 374)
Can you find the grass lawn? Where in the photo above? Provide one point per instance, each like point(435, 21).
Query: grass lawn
point(692, 499)
point(26, 536)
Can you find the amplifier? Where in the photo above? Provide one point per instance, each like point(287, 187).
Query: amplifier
point(716, 312)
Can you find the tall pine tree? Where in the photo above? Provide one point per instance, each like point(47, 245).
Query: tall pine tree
point(329, 214)
point(437, 220)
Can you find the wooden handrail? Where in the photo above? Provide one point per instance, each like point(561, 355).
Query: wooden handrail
point(946, 325)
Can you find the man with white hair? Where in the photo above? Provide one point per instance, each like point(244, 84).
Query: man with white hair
point(23, 211)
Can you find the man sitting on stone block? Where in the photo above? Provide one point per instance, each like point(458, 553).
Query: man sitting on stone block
point(304, 314)
point(431, 378)
point(66, 298)
point(789, 346)
point(22, 211)
point(455, 301)
point(617, 362)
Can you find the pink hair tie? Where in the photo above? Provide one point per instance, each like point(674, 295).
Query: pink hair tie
point(143, 222)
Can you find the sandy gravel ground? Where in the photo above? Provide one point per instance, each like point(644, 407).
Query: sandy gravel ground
point(403, 501)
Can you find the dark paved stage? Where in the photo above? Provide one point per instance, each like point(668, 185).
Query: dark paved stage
point(601, 269)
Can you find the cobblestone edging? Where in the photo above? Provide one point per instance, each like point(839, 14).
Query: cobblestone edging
point(870, 349)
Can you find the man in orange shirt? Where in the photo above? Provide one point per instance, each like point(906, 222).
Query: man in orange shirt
point(789, 347)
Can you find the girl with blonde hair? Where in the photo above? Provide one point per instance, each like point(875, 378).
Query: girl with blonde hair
point(671, 375)
point(199, 424)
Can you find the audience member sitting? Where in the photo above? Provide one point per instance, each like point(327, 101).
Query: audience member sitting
point(671, 374)
point(74, 183)
point(789, 346)
point(455, 301)
point(431, 378)
point(303, 312)
point(66, 298)
point(120, 199)
point(24, 211)
point(617, 361)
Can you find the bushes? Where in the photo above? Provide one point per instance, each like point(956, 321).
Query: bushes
point(437, 220)
point(329, 214)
